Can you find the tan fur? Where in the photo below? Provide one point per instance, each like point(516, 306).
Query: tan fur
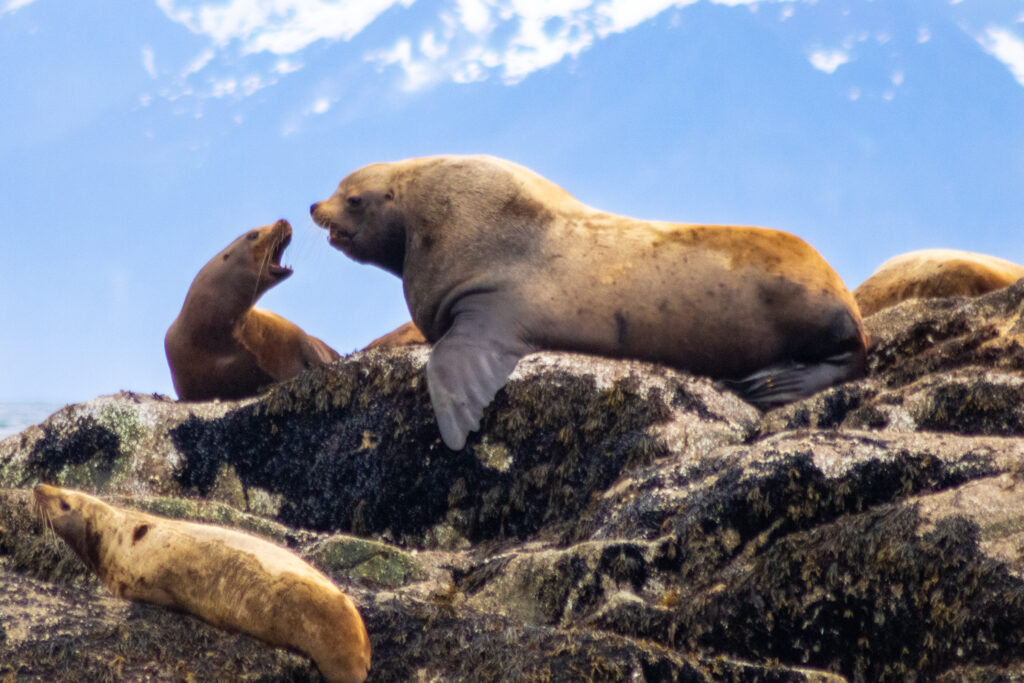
point(402, 336)
point(230, 579)
point(487, 238)
point(220, 346)
point(934, 273)
point(564, 252)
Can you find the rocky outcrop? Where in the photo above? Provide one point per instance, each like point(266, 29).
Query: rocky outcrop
point(612, 520)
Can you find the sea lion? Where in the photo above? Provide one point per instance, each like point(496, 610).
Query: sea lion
point(402, 336)
point(220, 346)
point(232, 580)
point(934, 273)
point(498, 262)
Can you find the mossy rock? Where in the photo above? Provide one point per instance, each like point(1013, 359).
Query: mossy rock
point(367, 562)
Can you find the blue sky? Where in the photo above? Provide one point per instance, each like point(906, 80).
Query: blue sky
point(139, 137)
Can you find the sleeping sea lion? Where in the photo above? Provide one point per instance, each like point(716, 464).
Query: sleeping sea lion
point(220, 346)
point(232, 580)
point(932, 274)
point(498, 262)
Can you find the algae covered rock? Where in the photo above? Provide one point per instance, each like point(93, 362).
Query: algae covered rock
point(612, 520)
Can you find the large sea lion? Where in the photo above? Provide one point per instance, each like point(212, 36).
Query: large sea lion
point(934, 273)
point(230, 579)
point(220, 346)
point(498, 262)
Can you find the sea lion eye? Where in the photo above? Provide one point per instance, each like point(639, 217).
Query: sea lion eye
point(252, 235)
point(355, 201)
point(64, 506)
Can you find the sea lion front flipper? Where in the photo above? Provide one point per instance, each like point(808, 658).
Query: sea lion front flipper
point(791, 381)
point(468, 365)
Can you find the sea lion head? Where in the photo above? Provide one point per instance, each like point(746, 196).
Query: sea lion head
point(73, 517)
point(365, 219)
point(256, 257)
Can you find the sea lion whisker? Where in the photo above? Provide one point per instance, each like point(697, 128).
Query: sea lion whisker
point(42, 513)
point(264, 268)
point(305, 246)
point(51, 535)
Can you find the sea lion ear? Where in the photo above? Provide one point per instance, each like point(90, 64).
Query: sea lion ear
point(389, 195)
point(469, 364)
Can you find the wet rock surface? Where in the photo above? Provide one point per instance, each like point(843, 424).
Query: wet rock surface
point(612, 520)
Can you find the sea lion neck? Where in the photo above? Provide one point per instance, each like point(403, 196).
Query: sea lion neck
point(219, 297)
point(99, 544)
point(86, 535)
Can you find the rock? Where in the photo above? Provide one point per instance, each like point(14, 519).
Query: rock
point(612, 520)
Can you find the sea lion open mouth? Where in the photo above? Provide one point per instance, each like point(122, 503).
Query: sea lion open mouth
point(275, 266)
point(339, 237)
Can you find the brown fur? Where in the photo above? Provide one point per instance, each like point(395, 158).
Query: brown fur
point(931, 274)
point(220, 346)
point(230, 579)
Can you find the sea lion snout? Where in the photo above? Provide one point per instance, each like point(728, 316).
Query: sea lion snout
point(328, 215)
point(340, 236)
point(270, 252)
point(43, 491)
point(44, 497)
point(320, 215)
point(281, 231)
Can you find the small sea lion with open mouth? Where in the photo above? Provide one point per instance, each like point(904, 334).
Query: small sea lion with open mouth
point(220, 345)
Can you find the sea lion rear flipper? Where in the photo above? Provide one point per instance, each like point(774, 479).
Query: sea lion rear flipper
point(467, 366)
point(791, 381)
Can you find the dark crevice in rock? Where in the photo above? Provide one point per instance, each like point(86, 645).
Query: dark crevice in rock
point(975, 407)
point(87, 442)
point(867, 596)
point(792, 495)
